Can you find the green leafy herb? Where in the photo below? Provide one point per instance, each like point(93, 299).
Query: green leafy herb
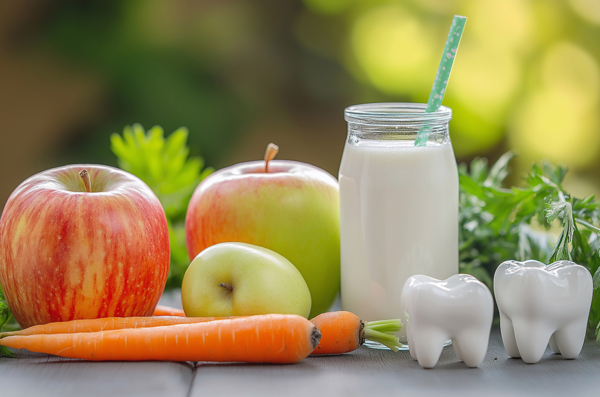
point(165, 166)
point(497, 224)
point(5, 314)
point(5, 319)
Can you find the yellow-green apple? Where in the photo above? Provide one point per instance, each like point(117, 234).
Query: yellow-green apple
point(82, 241)
point(238, 279)
point(289, 207)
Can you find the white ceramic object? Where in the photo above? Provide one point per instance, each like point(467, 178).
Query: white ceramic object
point(398, 206)
point(460, 308)
point(540, 304)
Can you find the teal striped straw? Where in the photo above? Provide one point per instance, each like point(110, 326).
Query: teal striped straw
point(443, 74)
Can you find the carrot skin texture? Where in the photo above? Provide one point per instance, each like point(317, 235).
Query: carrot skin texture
point(272, 338)
point(109, 324)
point(168, 311)
point(340, 332)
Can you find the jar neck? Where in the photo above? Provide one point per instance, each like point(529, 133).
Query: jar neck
point(397, 122)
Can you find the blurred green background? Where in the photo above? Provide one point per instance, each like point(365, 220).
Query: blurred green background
point(240, 74)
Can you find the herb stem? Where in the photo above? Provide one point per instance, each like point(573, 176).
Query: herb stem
point(588, 225)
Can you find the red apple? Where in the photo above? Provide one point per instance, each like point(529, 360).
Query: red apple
point(77, 244)
point(291, 208)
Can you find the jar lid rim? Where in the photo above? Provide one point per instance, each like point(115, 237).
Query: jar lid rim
point(396, 111)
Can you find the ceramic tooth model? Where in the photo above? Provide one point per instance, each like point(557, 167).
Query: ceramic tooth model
point(460, 308)
point(540, 304)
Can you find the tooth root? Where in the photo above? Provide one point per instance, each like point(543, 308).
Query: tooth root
point(508, 336)
point(471, 345)
point(532, 339)
point(569, 339)
point(548, 304)
point(553, 344)
point(428, 347)
point(411, 347)
point(457, 345)
point(412, 352)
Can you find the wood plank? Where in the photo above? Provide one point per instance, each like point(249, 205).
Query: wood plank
point(362, 372)
point(32, 374)
point(367, 372)
point(39, 374)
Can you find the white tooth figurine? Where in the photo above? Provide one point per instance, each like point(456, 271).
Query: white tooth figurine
point(460, 308)
point(540, 304)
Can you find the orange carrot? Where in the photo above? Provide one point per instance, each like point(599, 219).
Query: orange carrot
point(343, 332)
point(168, 311)
point(108, 324)
point(272, 338)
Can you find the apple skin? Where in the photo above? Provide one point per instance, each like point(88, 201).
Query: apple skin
point(262, 281)
point(68, 254)
point(293, 210)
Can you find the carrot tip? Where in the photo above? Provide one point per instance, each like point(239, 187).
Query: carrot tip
point(315, 337)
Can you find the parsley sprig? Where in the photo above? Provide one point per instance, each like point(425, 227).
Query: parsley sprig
point(165, 166)
point(7, 323)
point(497, 224)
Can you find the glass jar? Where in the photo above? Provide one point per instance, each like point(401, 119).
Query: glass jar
point(398, 206)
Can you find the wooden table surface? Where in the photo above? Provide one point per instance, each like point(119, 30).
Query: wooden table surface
point(363, 372)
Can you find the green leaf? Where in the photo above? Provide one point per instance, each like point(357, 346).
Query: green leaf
point(556, 173)
point(479, 169)
point(7, 321)
point(561, 249)
point(163, 163)
point(5, 314)
point(5, 352)
point(179, 255)
point(497, 224)
point(597, 279)
point(470, 186)
point(587, 225)
point(554, 209)
point(499, 171)
point(533, 244)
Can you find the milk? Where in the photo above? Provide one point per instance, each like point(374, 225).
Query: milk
point(399, 217)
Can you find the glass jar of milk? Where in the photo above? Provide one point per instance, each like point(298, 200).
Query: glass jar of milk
point(398, 204)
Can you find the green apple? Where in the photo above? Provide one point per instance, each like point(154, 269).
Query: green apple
point(238, 279)
point(289, 207)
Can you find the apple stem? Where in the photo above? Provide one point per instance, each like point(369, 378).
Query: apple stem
point(270, 154)
point(85, 175)
point(226, 286)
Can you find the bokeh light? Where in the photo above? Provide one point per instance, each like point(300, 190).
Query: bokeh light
point(240, 74)
point(500, 25)
point(391, 46)
point(328, 6)
point(587, 9)
point(485, 90)
point(558, 119)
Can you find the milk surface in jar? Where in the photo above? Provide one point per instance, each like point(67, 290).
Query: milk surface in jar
point(398, 204)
